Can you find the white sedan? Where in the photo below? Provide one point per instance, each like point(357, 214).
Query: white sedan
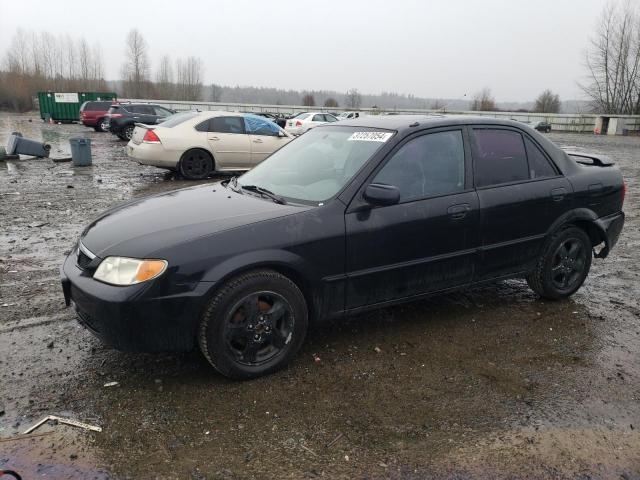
point(303, 122)
point(199, 143)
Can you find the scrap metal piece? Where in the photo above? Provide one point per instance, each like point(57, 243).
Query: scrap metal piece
point(66, 421)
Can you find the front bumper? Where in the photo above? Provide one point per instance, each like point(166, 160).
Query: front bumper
point(136, 318)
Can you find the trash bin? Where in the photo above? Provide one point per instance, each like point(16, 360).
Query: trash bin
point(18, 145)
point(80, 151)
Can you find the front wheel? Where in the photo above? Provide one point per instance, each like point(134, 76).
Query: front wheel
point(563, 265)
point(254, 325)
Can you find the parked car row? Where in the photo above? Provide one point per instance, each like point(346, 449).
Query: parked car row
point(120, 118)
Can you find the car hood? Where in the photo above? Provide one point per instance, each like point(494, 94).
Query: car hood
point(141, 227)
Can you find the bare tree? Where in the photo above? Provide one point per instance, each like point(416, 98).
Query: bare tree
point(331, 103)
point(189, 78)
point(215, 93)
point(308, 100)
point(353, 99)
point(135, 70)
point(42, 61)
point(547, 102)
point(613, 61)
point(483, 101)
point(164, 79)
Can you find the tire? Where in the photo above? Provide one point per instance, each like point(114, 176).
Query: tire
point(196, 164)
point(101, 125)
point(127, 132)
point(563, 265)
point(253, 325)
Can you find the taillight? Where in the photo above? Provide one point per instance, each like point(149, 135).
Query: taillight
point(114, 115)
point(151, 137)
point(298, 123)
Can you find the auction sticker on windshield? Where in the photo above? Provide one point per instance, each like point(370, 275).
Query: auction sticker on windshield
point(370, 136)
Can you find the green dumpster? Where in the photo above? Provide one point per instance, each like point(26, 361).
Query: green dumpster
point(65, 106)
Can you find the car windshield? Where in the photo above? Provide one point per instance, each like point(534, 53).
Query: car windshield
point(343, 114)
point(178, 118)
point(314, 167)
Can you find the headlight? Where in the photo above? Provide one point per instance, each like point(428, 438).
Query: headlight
point(128, 271)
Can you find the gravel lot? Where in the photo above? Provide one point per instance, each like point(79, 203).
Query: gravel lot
point(485, 383)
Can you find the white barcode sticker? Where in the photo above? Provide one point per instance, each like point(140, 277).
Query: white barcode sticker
point(370, 136)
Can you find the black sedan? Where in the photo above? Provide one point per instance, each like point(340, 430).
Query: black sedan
point(542, 126)
point(349, 217)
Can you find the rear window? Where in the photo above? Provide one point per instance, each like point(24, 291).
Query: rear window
point(97, 106)
point(178, 118)
point(302, 116)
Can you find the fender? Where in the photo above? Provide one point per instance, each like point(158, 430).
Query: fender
point(599, 230)
point(301, 272)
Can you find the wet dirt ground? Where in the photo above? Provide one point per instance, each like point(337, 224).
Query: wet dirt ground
point(485, 383)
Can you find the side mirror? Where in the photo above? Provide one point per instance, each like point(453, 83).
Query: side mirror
point(381, 195)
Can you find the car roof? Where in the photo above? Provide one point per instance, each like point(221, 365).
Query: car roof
point(403, 123)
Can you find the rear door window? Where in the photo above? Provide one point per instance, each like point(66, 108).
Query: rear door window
point(499, 157)
point(318, 118)
point(539, 164)
point(227, 125)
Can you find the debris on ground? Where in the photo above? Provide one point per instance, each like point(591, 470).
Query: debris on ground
point(65, 421)
point(18, 145)
point(111, 384)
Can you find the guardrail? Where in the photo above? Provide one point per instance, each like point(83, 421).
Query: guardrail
point(566, 122)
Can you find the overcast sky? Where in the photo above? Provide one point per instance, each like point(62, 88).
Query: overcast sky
point(431, 48)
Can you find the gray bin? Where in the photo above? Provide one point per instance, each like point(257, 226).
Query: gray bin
point(80, 151)
point(18, 145)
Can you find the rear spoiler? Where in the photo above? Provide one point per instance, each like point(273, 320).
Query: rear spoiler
point(587, 158)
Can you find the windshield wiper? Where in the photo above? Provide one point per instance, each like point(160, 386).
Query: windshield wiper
point(265, 192)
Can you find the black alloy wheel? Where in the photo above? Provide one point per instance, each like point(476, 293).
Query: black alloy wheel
point(253, 325)
point(569, 261)
point(564, 264)
point(258, 328)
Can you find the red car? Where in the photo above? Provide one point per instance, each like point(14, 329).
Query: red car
point(94, 114)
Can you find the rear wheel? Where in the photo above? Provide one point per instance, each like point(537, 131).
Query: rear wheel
point(101, 125)
point(196, 165)
point(127, 132)
point(563, 265)
point(254, 325)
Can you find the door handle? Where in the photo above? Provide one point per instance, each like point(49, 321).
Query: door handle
point(215, 139)
point(557, 194)
point(459, 211)
point(257, 140)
